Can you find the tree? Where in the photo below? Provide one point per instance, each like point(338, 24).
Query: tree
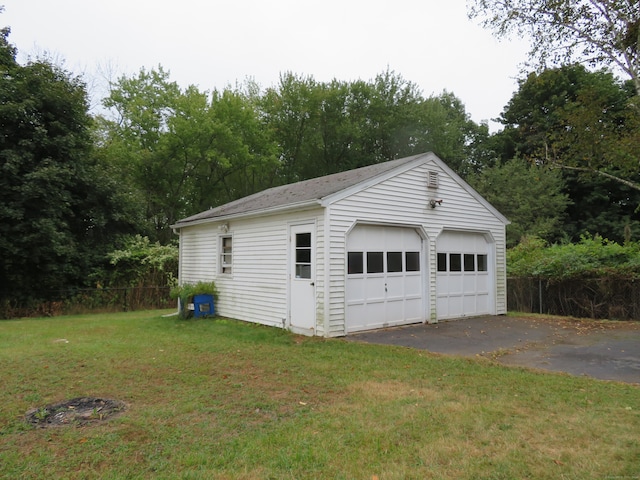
point(59, 210)
point(7, 51)
point(290, 111)
point(596, 32)
point(445, 128)
point(600, 206)
point(558, 110)
point(393, 128)
point(530, 196)
point(185, 150)
point(580, 122)
point(323, 128)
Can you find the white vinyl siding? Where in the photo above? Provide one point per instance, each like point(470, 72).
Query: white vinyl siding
point(403, 200)
point(198, 259)
point(256, 291)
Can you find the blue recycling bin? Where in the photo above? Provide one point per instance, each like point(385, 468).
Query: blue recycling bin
point(203, 305)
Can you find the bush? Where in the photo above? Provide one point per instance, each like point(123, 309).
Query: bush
point(142, 263)
point(590, 258)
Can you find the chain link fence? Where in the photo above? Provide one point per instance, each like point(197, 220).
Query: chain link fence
point(88, 300)
point(612, 297)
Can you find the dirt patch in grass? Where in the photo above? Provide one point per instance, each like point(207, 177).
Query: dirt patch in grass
point(78, 411)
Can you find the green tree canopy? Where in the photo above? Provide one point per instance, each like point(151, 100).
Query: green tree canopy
point(530, 196)
point(322, 128)
point(185, 150)
point(580, 122)
point(7, 50)
point(568, 114)
point(59, 212)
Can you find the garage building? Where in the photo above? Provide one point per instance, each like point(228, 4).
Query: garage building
point(400, 242)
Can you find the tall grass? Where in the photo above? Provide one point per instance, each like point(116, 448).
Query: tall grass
point(214, 398)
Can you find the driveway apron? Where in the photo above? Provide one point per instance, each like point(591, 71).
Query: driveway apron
point(599, 349)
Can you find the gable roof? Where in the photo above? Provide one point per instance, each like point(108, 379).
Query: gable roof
point(315, 190)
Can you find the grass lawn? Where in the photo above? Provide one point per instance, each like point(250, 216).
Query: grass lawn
point(215, 398)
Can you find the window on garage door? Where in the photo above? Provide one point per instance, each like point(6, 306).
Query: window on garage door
point(382, 262)
point(459, 262)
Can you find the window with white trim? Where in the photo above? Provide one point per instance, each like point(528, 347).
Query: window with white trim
point(303, 255)
point(226, 254)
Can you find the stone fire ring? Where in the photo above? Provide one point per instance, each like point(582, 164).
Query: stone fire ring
point(78, 411)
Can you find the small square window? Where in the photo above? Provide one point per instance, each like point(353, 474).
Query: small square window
point(412, 261)
point(442, 262)
point(355, 263)
point(303, 255)
point(482, 263)
point(455, 262)
point(469, 262)
point(375, 262)
point(394, 262)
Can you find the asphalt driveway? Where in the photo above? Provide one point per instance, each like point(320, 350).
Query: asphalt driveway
point(599, 349)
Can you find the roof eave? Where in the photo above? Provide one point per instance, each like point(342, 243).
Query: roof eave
point(308, 204)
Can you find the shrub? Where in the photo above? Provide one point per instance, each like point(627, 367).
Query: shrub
point(591, 257)
point(142, 263)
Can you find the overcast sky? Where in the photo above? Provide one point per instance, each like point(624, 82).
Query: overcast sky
point(213, 44)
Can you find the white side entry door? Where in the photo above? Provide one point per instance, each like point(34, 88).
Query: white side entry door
point(302, 289)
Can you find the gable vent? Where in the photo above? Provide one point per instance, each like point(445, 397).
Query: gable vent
point(432, 179)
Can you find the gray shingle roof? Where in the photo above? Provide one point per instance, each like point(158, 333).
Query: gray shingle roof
point(315, 189)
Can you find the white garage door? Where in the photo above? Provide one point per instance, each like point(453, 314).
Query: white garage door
point(463, 275)
point(384, 279)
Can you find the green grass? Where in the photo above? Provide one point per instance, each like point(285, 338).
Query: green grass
point(214, 398)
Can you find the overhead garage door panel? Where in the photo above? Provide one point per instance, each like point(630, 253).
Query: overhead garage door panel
point(463, 275)
point(384, 280)
point(374, 289)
